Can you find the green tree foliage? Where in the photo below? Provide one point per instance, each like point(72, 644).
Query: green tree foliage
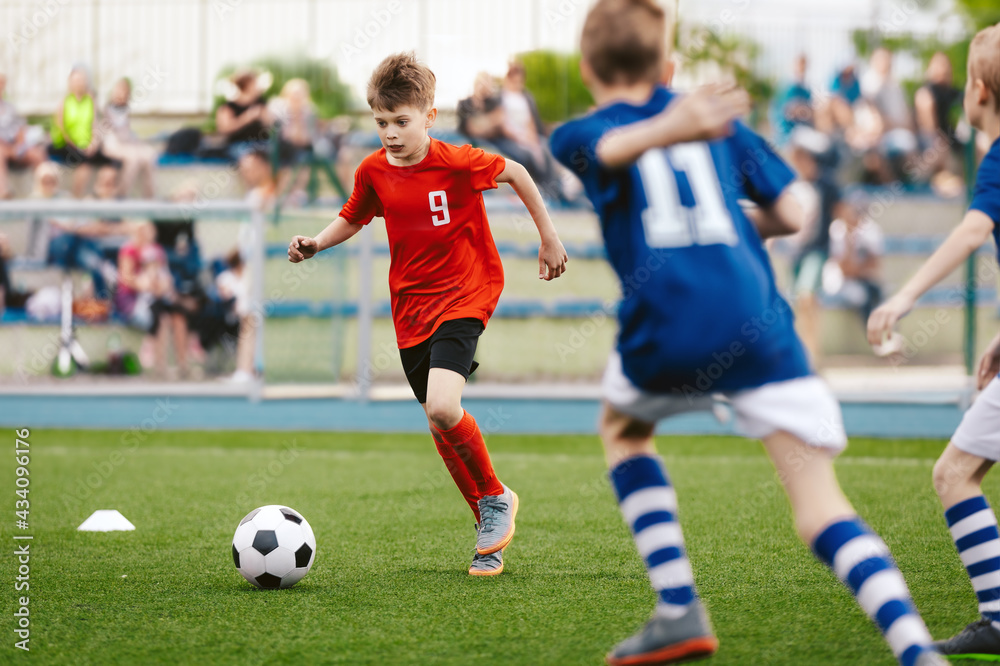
point(731, 55)
point(555, 82)
point(982, 13)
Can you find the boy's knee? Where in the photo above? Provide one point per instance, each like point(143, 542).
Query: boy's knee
point(950, 476)
point(442, 414)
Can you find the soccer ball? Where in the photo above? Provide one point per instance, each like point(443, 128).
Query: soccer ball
point(274, 547)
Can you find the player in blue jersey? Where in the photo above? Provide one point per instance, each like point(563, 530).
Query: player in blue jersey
point(975, 446)
point(699, 315)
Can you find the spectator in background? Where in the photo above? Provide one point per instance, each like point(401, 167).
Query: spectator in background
point(113, 233)
point(521, 121)
point(296, 121)
point(793, 106)
point(838, 112)
point(891, 120)
point(852, 275)
point(934, 103)
point(17, 147)
point(243, 121)
point(72, 243)
point(120, 143)
point(846, 86)
point(256, 171)
point(233, 286)
point(145, 297)
point(255, 168)
point(480, 117)
point(508, 119)
point(809, 148)
point(75, 140)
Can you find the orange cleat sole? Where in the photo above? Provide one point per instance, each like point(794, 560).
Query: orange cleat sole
point(689, 650)
point(495, 572)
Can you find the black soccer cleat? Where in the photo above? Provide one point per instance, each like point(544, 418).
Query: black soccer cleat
point(980, 640)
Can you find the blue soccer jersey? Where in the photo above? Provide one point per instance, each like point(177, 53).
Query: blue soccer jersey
point(700, 310)
point(986, 197)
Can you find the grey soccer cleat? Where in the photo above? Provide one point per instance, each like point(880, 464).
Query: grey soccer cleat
point(668, 641)
point(496, 521)
point(980, 640)
point(485, 565)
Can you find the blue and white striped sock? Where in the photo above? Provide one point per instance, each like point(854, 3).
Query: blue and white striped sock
point(649, 505)
point(973, 526)
point(862, 561)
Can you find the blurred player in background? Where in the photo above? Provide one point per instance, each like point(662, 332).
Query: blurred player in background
point(445, 275)
point(700, 314)
point(975, 446)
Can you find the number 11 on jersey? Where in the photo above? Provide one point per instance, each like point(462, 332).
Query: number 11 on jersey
point(439, 204)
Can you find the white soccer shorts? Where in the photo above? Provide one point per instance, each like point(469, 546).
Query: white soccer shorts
point(979, 431)
point(804, 407)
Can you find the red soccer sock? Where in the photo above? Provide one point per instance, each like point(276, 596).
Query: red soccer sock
point(458, 472)
point(467, 441)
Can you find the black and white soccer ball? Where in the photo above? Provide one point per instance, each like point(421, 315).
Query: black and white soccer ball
point(274, 547)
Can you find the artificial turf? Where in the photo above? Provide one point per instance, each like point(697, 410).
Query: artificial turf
point(389, 584)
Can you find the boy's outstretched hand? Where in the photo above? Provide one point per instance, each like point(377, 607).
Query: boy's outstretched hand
point(552, 259)
point(989, 364)
point(884, 318)
point(301, 248)
point(708, 112)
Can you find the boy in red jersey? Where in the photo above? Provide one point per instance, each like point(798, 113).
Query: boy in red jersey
point(445, 275)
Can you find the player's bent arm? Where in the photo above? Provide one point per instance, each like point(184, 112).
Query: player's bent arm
point(702, 115)
point(961, 243)
point(338, 231)
point(783, 217)
point(551, 255)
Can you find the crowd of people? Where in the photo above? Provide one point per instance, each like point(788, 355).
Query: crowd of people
point(861, 130)
point(149, 273)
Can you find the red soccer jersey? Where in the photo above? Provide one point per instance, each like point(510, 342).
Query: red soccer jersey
point(444, 264)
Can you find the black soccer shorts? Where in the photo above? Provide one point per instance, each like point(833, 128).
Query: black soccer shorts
point(452, 346)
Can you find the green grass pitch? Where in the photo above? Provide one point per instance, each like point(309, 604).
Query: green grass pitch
point(395, 538)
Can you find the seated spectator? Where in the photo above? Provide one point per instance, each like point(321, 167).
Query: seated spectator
point(852, 274)
point(836, 115)
point(145, 298)
point(295, 120)
point(935, 102)
point(793, 106)
point(75, 140)
point(18, 148)
point(120, 143)
point(507, 121)
point(819, 195)
point(481, 115)
point(243, 121)
point(178, 239)
point(113, 233)
point(233, 286)
point(255, 168)
point(891, 114)
point(73, 243)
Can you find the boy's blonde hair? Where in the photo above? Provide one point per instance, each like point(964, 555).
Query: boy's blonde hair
point(984, 60)
point(401, 80)
point(624, 41)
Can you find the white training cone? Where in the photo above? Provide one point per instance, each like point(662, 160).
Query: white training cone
point(106, 520)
